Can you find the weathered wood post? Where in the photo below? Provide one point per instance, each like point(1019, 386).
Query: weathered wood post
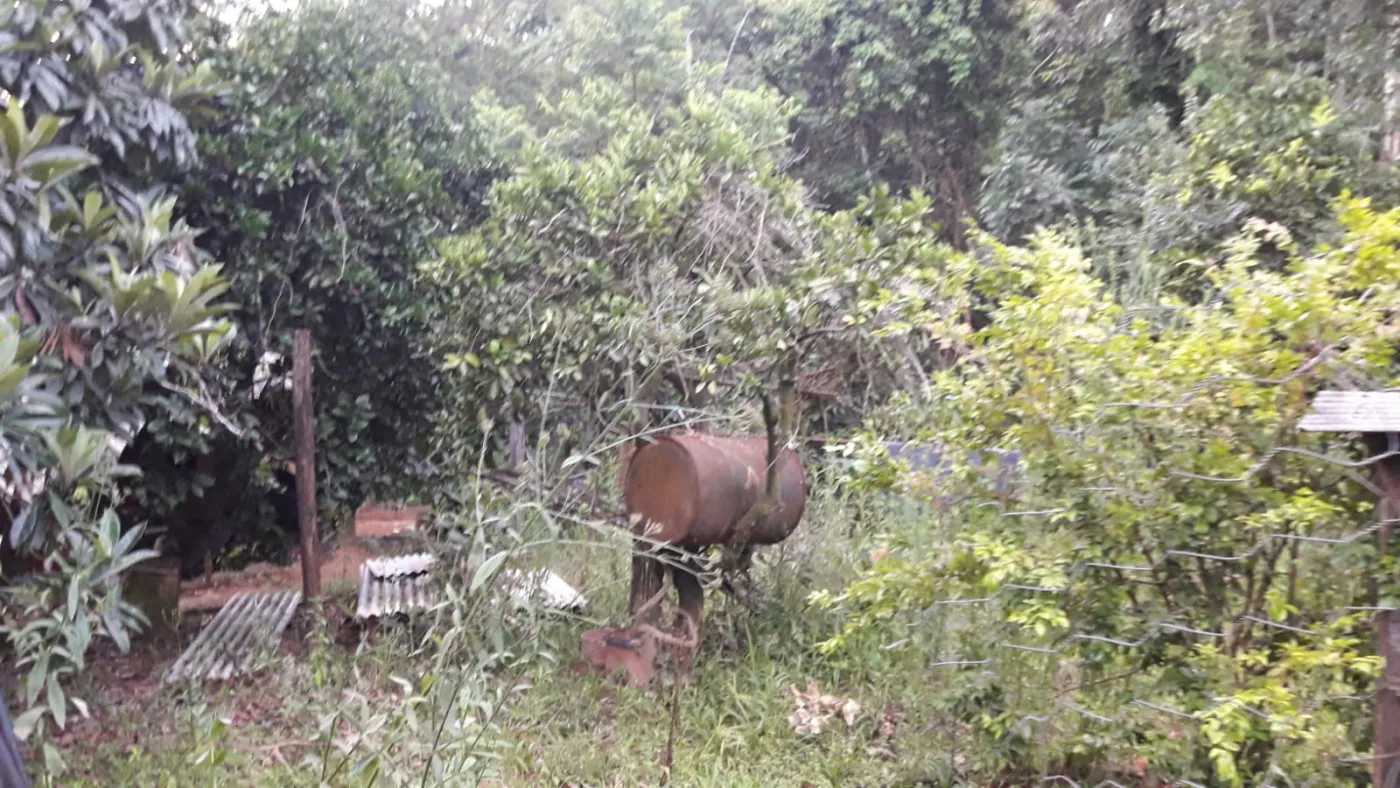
point(1385, 744)
point(204, 464)
point(1376, 416)
point(304, 427)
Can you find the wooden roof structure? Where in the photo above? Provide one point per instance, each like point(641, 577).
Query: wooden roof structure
point(1353, 411)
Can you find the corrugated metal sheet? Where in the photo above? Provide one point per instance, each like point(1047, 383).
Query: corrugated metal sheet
point(395, 585)
point(1353, 411)
point(543, 585)
point(226, 645)
point(395, 566)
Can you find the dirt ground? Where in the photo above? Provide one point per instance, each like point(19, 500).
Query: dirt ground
point(120, 685)
point(380, 521)
point(340, 562)
point(120, 682)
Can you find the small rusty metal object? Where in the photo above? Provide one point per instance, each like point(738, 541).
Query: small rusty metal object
point(633, 651)
point(697, 487)
point(636, 660)
point(614, 639)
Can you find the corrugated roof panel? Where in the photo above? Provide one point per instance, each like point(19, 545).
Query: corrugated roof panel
point(1353, 411)
point(396, 585)
point(226, 645)
point(543, 584)
point(394, 566)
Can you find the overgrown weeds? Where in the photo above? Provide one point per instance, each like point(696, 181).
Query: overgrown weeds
point(483, 691)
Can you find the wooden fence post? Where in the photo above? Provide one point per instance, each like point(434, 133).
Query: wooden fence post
point(1375, 415)
point(1385, 739)
point(304, 425)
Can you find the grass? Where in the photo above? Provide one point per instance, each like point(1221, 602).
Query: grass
point(732, 726)
point(474, 689)
point(348, 700)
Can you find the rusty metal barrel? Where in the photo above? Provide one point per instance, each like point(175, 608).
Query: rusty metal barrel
point(697, 487)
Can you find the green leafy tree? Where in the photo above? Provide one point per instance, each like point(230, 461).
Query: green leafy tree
point(1147, 198)
point(114, 70)
point(100, 115)
point(633, 244)
point(1162, 126)
point(1186, 546)
point(344, 149)
point(93, 258)
point(906, 94)
point(599, 251)
point(110, 312)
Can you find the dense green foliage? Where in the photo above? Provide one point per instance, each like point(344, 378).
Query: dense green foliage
point(109, 313)
point(625, 277)
point(1168, 124)
point(900, 93)
point(341, 154)
point(627, 232)
point(1152, 445)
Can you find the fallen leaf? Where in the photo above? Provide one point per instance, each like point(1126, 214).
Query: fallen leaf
point(849, 710)
point(26, 312)
point(72, 349)
point(814, 709)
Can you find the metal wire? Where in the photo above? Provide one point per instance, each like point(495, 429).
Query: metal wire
point(1004, 653)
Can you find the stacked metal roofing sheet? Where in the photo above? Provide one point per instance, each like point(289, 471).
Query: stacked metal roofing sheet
point(399, 565)
point(1353, 411)
point(226, 645)
point(395, 585)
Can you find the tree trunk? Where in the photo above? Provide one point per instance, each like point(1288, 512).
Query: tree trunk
point(1385, 742)
point(1390, 100)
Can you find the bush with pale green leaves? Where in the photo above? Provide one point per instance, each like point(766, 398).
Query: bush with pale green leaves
point(1166, 493)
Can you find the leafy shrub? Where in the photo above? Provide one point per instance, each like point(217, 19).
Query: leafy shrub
point(340, 152)
point(109, 313)
point(1177, 542)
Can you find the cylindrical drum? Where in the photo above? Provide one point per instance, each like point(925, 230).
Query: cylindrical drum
point(698, 486)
